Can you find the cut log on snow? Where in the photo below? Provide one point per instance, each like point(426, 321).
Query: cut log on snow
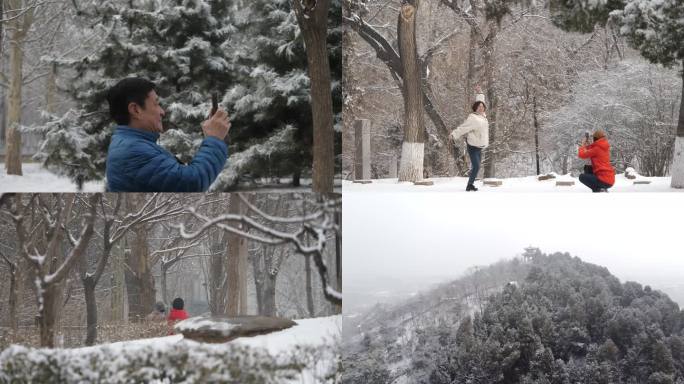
point(493, 182)
point(224, 329)
point(546, 177)
point(564, 183)
point(423, 182)
point(362, 181)
point(637, 182)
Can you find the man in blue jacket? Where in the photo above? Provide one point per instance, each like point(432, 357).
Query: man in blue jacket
point(136, 163)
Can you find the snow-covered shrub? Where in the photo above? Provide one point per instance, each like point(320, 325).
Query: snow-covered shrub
point(167, 362)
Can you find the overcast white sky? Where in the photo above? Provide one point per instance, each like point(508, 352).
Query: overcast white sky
point(413, 235)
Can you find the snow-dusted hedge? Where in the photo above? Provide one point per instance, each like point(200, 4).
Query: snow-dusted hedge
point(179, 362)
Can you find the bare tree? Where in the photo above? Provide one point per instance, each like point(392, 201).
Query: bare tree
point(153, 209)
point(315, 225)
point(39, 236)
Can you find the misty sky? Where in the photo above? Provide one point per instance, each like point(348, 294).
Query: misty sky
point(638, 236)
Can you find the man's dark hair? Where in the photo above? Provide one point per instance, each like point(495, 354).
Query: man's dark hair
point(477, 104)
point(126, 91)
point(178, 303)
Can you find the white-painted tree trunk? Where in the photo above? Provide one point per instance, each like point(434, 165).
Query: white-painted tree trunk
point(677, 169)
point(413, 147)
point(411, 163)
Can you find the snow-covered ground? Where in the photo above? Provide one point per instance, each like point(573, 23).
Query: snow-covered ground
point(322, 335)
point(35, 178)
point(515, 184)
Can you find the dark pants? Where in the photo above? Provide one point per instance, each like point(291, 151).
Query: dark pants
point(591, 181)
point(475, 154)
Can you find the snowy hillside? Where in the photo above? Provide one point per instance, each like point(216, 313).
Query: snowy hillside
point(305, 353)
point(397, 335)
point(516, 184)
point(482, 327)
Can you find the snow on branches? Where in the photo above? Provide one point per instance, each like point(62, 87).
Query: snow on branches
point(309, 238)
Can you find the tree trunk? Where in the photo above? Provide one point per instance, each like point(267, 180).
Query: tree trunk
point(51, 92)
point(13, 117)
point(268, 292)
point(139, 279)
point(217, 275)
point(536, 131)
point(118, 283)
point(236, 266)
point(490, 66)
point(164, 269)
point(19, 27)
point(309, 293)
point(338, 251)
point(413, 147)
point(678, 156)
point(472, 65)
point(312, 16)
point(91, 311)
point(296, 176)
point(47, 313)
point(13, 318)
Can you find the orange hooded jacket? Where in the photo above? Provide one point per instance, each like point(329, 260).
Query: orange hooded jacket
point(599, 153)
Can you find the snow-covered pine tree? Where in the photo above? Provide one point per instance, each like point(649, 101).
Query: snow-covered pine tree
point(656, 29)
point(249, 52)
point(272, 92)
point(183, 48)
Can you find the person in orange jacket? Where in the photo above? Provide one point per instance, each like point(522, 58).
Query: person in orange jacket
point(601, 175)
point(177, 313)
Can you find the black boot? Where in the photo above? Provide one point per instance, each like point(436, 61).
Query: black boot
point(471, 187)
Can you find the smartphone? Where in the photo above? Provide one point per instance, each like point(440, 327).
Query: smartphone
point(214, 103)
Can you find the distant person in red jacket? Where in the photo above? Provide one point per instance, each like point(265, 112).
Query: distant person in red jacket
point(177, 313)
point(601, 175)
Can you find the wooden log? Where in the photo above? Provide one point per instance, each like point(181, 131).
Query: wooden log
point(638, 182)
point(546, 177)
point(423, 182)
point(564, 183)
point(224, 329)
point(362, 181)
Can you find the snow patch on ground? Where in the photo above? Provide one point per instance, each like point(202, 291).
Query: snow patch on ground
point(514, 184)
point(38, 179)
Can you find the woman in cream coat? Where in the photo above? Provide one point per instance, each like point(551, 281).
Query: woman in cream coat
point(476, 130)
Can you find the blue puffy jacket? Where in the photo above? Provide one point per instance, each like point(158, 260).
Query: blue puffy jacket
point(136, 163)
